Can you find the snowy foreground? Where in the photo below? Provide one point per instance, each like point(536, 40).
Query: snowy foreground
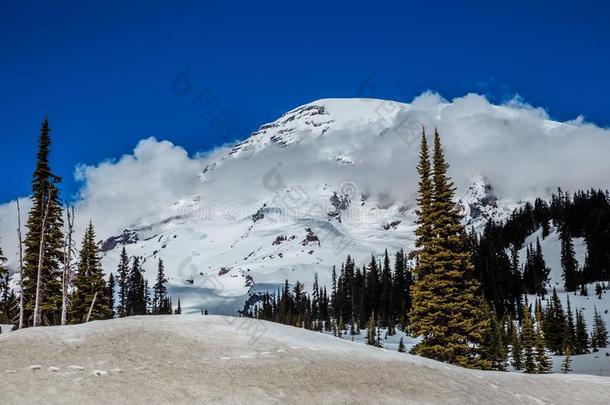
point(185, 359)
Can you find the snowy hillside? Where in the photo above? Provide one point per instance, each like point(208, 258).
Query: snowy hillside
point(205, 359)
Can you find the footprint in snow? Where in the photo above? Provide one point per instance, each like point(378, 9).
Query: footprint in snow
point(79, 368)
point(100, 373)
point(35, 367)
point(54, 369)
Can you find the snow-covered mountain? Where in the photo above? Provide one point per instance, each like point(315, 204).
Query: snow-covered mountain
point(331, 178)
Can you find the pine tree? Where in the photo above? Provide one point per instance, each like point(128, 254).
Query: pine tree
point(160, 291)
point(528, 341)
point(599, 338)
point(569, 265)
point(554, 325)
point(46, 207)
point(401, 346)
point(567, 360)
point(494, 345)
point(581, 345)
point(543, 362)
point(135, 302)
point(89, 283)
point(424, 212)
point(110, 294)
point(179, 309)
point(516, 349)
point(371, 331)
point(5, 292)
point(570, 328)
point(123, 271)
point(448, 310)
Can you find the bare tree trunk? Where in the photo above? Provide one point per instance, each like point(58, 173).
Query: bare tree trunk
point(67, 254)
point(91, 307)
point(37, 311)
point(20, 265)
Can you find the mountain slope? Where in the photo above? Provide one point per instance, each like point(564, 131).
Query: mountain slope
point(183, 359)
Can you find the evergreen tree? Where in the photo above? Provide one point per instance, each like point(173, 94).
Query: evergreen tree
point(448, 310)
point(371, 331)
point(179, 309)
point(401, 346)
point(385, 300)
point(581, 345)
point(110, 294)
point(424, 232)
point(136, 304)
point(516, 349)
point(89, 283)
point(8, 304)
point(494, 346)
point(599, 338)
point(543, 362)
point(554, 325)
point(46, 207)
point(567, 360)
point(123, 271)
point(528, 341)
point(569, 265)
point(160, 291)
point(570, 328)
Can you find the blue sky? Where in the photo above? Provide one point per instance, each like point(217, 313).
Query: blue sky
point(106, 74)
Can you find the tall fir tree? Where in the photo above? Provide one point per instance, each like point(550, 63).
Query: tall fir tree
point(159, 290)
point(567, 360)
point(136, 296)
point(569, 265)
point(424, 232)
point(123, 282)
point(543, 361)
point(516, 349)
point(581, 344)
point(448, 308)
point(599, 336)
point(528, 341)
point(89, 283)
point(45, 200)
point(7, 295)
point(110, 294)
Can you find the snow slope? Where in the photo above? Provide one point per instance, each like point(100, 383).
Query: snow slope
point(204, 359)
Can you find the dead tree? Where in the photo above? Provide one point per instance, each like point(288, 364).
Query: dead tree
point(37, 311)
point(20, 265)
point(67, 257)
point(91, 307)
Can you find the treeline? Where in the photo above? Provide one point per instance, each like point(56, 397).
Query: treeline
point(504, 279)
point(53, 289)
point(378, 290)
point(475, 283)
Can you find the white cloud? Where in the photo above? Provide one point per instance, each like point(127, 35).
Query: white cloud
point(136, 188)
